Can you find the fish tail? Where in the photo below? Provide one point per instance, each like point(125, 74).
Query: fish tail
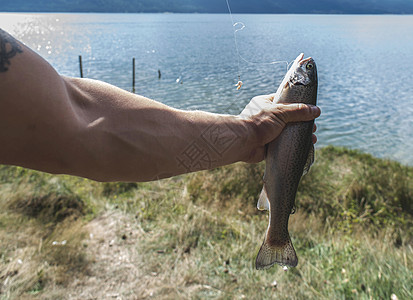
point(281, 254)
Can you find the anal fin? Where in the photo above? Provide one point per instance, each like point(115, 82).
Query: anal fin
point(263, 202)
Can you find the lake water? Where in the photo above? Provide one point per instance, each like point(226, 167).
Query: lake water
point(365, 64)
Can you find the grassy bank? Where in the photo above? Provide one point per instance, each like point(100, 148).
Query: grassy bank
point(197, 235)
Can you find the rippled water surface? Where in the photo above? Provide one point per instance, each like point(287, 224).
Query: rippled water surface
point(364, 64)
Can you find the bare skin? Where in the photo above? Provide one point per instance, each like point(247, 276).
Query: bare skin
point(91, 129)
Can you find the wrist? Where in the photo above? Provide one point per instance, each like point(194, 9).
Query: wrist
point(237, 139)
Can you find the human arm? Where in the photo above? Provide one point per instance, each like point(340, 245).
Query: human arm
point(88, 128)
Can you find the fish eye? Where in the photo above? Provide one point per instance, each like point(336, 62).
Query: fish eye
point(309, 66)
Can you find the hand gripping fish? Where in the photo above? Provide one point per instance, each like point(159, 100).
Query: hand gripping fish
point(288, 157)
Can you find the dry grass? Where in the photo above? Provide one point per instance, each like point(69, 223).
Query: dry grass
point(32, 261)
point(196, 236)
point(41, 233)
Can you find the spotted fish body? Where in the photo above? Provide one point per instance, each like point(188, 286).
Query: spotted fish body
point(288, 157)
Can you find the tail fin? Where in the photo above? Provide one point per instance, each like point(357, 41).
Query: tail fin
point(269, 255)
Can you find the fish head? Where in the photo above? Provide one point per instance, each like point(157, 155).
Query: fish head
point(303, 72)
point(300, 83)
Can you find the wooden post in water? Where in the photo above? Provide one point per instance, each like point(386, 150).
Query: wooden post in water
point(133, 75)
point(80, 66)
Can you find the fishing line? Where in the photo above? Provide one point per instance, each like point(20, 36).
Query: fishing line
point(238, 26)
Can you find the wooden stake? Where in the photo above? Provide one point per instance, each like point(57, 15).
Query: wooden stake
point(133, 75)
point(80, 66)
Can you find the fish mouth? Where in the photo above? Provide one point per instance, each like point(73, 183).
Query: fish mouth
point(303, 61)
point(299, 61)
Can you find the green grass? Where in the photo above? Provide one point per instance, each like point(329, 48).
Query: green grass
point(200, 232)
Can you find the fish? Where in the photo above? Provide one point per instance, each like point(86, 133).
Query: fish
point(287, 159)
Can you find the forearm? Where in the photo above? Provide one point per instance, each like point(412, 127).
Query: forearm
point(125, 137)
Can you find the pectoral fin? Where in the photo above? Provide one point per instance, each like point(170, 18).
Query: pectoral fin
point(263, 202)
point(310, 160)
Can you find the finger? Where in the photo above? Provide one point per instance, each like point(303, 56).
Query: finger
point(314, 139)
point(314, 128)
point(297, 112)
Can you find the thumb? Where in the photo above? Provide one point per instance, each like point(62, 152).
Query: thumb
point(296, 112)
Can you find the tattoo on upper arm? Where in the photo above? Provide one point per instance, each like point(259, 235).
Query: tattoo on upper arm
point(9, 47)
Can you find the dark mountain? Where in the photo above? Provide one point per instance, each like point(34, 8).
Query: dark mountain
point(212, 6)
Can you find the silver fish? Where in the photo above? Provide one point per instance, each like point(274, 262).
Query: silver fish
point(288, 157)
